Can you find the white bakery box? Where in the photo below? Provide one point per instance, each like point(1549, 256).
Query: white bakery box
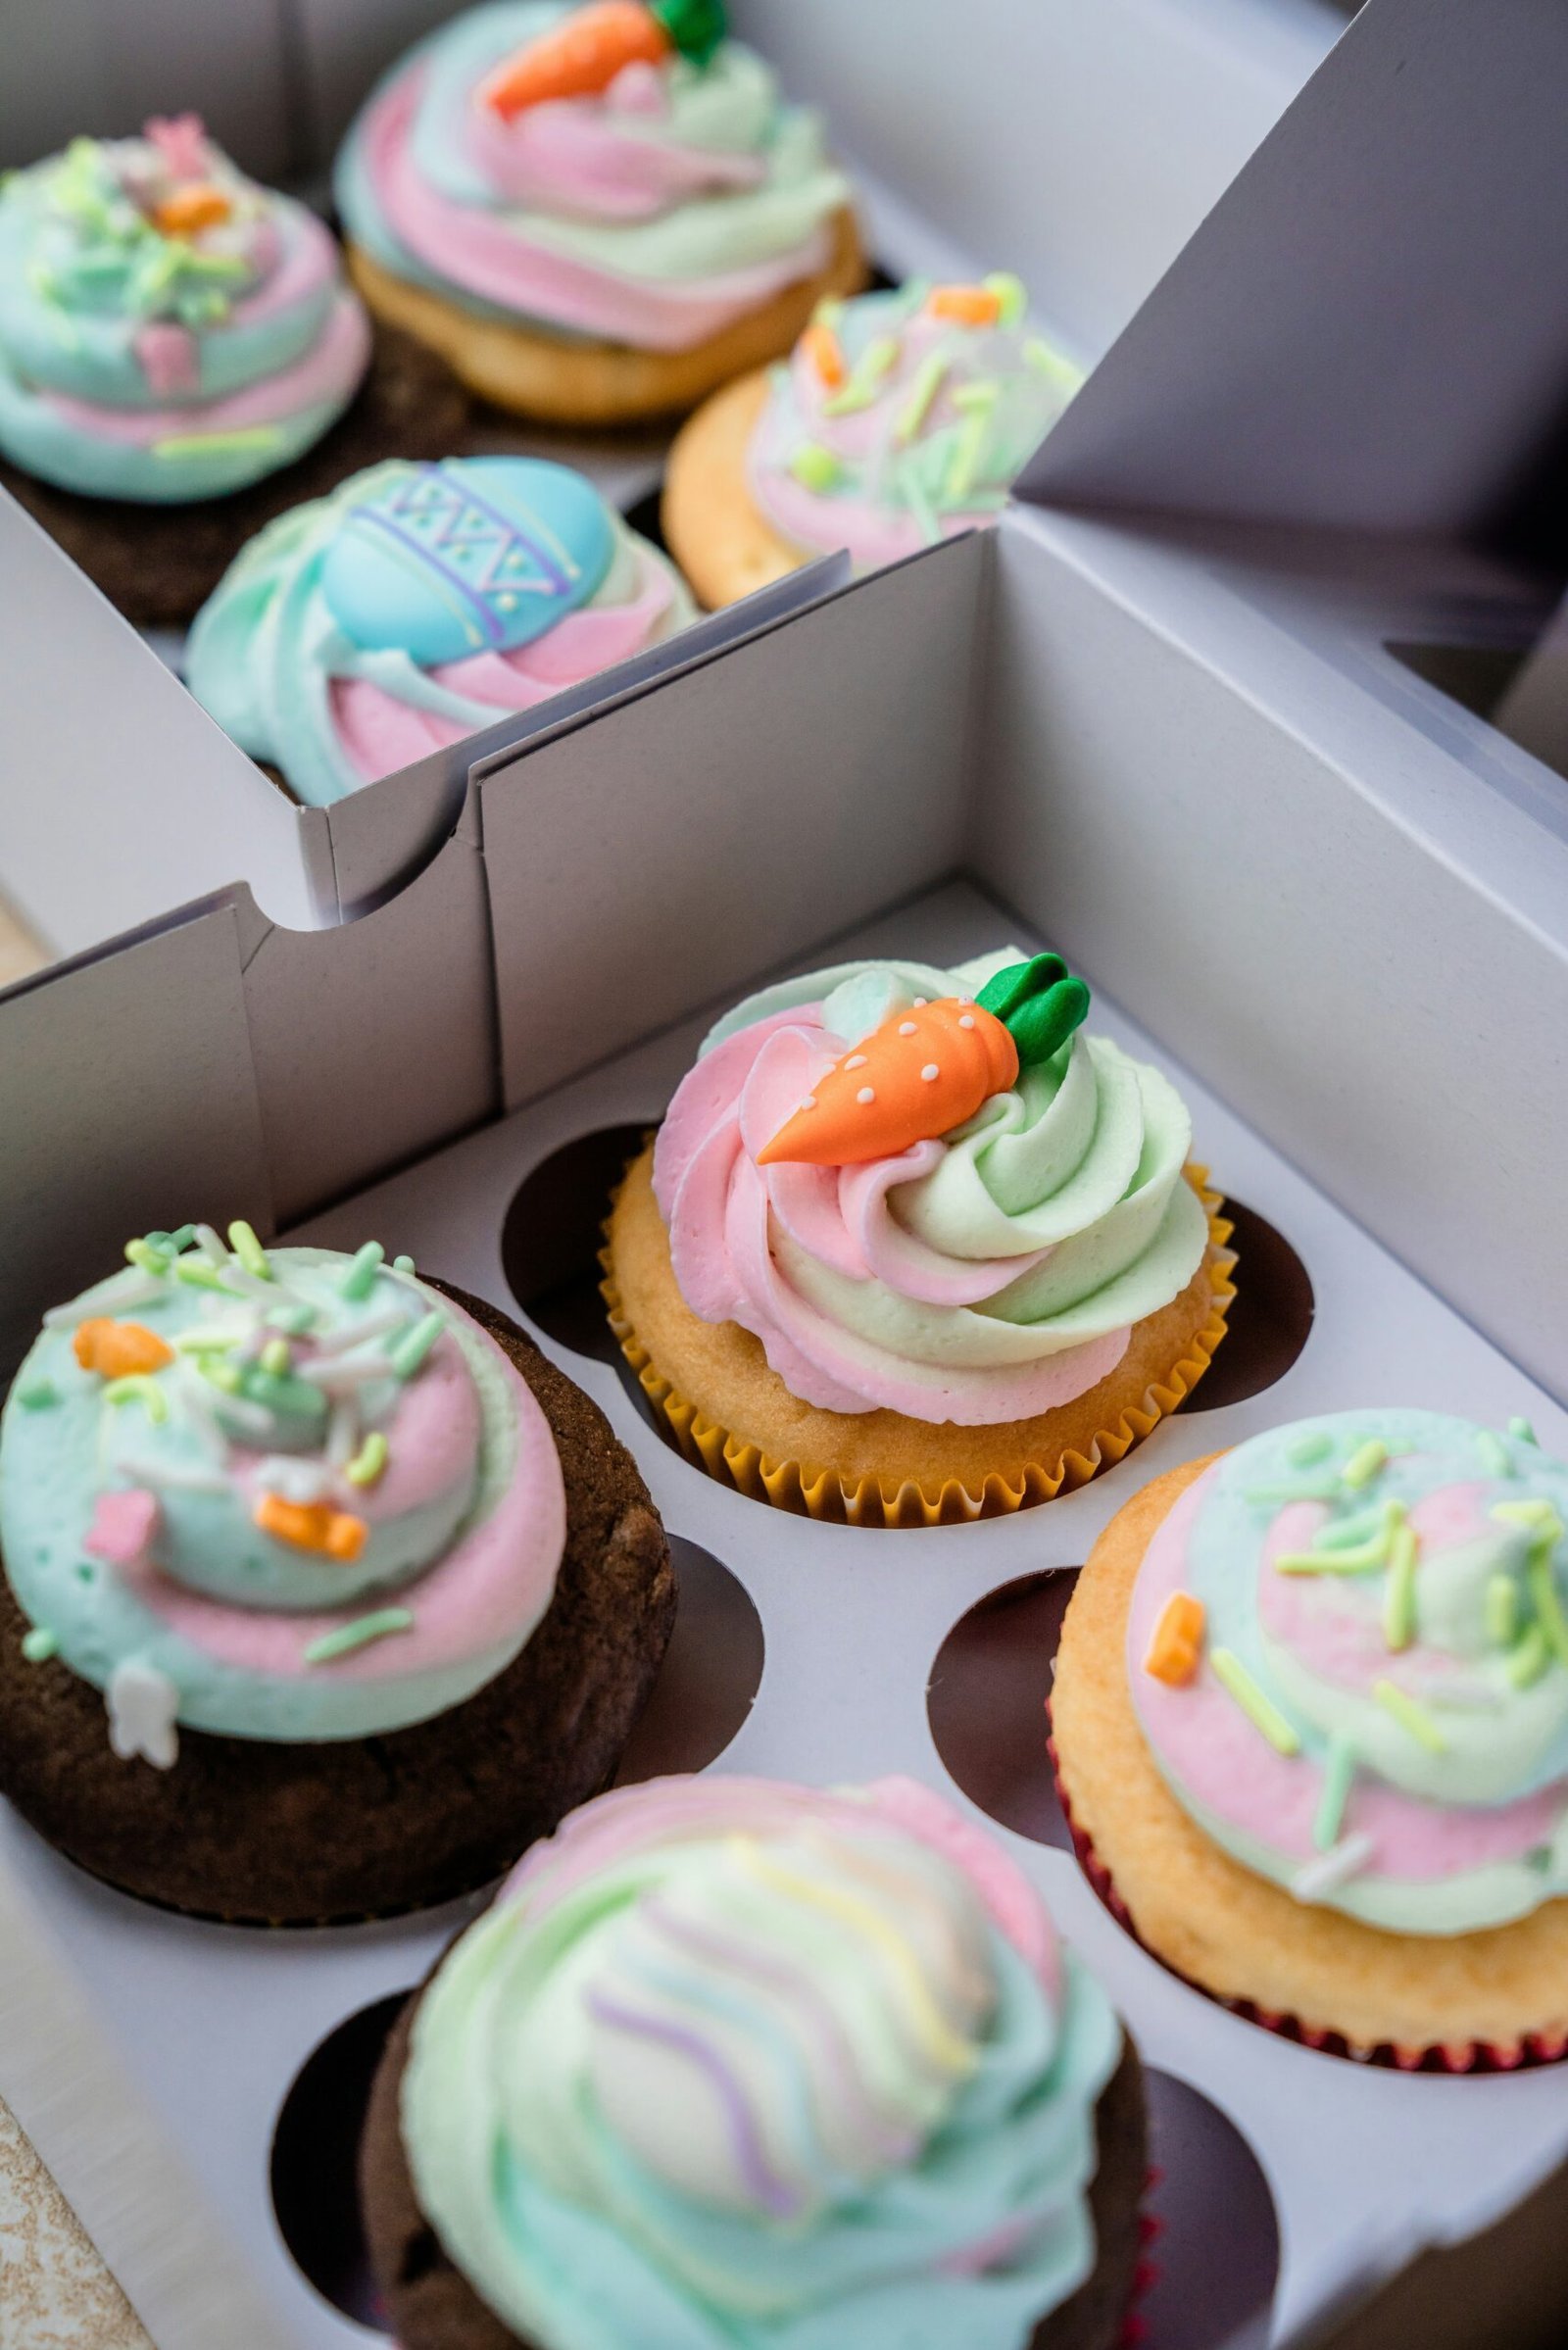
point(1323, 893)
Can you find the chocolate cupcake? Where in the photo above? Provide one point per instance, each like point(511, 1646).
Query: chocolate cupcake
point(324, 1592)
point(181, 358)
point(735, 2061)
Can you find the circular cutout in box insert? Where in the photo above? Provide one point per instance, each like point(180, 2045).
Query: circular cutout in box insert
point(986, 1703)
point(1216, 2259)
point(315, 2172)
point(1269, 1319)
point(710, 1675)
point(553, 1233)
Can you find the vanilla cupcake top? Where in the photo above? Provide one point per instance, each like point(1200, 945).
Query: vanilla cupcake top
point(619, 171)
point(904, 416)
point(1349, 1653)
point(928, 1190)
point(276, 1494)
point(169, 330)
point(742, 2064)
point(417, 604)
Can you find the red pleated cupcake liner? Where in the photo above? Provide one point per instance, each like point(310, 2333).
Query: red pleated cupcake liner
point(1458, 2056)
point(1146, 2275)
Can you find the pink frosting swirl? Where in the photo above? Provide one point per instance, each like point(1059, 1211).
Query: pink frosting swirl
point(724, 1214)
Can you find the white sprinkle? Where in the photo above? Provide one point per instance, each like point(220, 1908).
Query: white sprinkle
point(294, 1479)
point(343, 1433)
point(908, 1027)
point(210, 1247)
point(254, 1418)
point(375, 1326)
point(197, 1399)
point(346, 1374)
point(967, 1019)
point(1344, 1860)
point(930, 1071)
point(866, 1094)
point(810, 1103)
point(142, 1703)
point(131, 1288)
point(857, 1061)
point(921, 1002)
point(162, 1472)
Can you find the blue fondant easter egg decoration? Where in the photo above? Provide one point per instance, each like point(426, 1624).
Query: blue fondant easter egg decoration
point(474, 555)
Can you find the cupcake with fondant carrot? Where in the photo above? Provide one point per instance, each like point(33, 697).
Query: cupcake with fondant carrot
point(1310, 1717)
point(594, 213)
point(735, 2060)
point(913, 1246)
point(173, 336)
point(323, 1592)
point(899, 420)
point(416, 605)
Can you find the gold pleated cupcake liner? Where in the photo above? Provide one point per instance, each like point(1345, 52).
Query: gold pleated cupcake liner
point(817, 1492)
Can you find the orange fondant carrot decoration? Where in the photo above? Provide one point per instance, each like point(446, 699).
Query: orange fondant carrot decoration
point(312, 1526)
point(970, 305)
point(582, 56)
point(1177, 1641)
point(191, 208)
point(825, 352)
point(918, 1074)
point(927, 1069)
point(119, 1349)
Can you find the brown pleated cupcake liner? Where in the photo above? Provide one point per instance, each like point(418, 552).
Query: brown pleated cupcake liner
point(1449, 2056)
point(817, 1492)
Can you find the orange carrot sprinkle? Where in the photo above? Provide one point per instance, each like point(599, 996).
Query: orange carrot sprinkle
point(826, 352)
point(119, 1349)
point(191, 208)
point(920, 1074)
point(970, 305)
point(313, 1526)
point(577, 58)
point(1177, 1641)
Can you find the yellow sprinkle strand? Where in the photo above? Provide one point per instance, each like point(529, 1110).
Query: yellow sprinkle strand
point(1399, 1597)
point(1528, 1660)
point(1260, 1709)
point(248, 1248)
point(1364, 1463)
point(369, 1461)
point(941, 2043)
point(1545, 1595)
point(1411, 1716)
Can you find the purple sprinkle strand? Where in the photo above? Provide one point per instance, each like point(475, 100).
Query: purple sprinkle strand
point(769, 2192)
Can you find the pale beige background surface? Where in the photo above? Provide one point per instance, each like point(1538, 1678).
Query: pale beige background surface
point(55, 2292)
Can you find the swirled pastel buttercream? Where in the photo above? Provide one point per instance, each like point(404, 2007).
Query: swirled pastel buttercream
point(1373, 1709)
point(169, 330)
point(293, 1495)
point(415, 606)
point(982, 1274)
point(902, 418)
point(652, 213)
point(741, 2066)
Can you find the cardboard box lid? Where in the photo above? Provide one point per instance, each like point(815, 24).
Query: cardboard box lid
point(1370, 329)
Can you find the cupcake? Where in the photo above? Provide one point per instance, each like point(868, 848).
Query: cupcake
point(595, 214)
point(324, 1592)
point(173, 335)
point(899, 420)
point(736, 2062)
point(1312, 1721)
point(910, 1248)
point(417, 604)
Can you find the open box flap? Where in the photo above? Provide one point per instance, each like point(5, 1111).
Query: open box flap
point(1370, 329)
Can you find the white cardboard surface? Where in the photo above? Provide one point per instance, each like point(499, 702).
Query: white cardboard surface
point(210, 2023)
point(1371, 329)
